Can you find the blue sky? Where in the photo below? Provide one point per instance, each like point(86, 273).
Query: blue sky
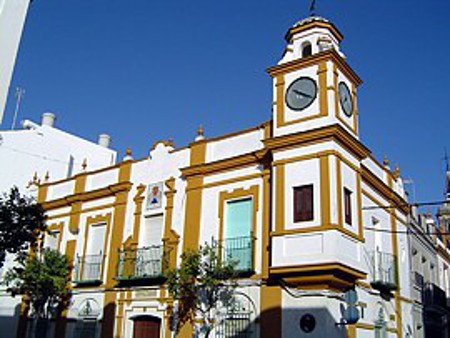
point(146, 70)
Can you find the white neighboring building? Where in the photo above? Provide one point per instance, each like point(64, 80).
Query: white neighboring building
point(39, 152)
point(12, 19)
point(35, 154)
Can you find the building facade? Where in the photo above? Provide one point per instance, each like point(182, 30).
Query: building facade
point(299, 200)
point(34, 155)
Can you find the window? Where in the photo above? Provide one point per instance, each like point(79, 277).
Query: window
point(306, 49)
point(348, 206)
point(51, 240)
point(151, 233)
point(237, 243)
point(303, 203)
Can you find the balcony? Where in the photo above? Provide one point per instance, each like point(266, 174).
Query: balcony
point(434, 298)
point(383, 271)
point(141, 264)
point(88, 269)
point(239, 250)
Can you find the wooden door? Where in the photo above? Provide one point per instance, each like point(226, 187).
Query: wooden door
point(146, 327)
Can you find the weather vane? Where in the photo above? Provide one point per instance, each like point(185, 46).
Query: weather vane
point(312, 7)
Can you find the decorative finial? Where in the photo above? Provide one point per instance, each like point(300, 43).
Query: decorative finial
point(47, 176)
point(35, 177)
point(385, 161)
point(200, 130)
point(84, 165)
point(396, 172)
point(200, 133)
point(128, 156)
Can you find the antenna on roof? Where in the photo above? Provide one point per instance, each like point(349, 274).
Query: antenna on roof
point(20, 92)
point(312, 8)
point(447, 176)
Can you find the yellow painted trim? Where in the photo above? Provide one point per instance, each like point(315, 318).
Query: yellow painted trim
point(335, 133)
point(225, 196)
point(138, 200)
point(60, 326)
point(231, 180)
point(121, 197)
point(266, 223)
point(240, 161)
point(355, 109)
point(271, 311)
point(86, 196)
point(325, 194)
point(320, 24)
point(193, 211)
point(330, 55)
point(81, 211)
point(280, 88)
point(339, 187)
point(171, 238)
point(90, 221)
point(384, 190)
point(323, 98)
point(322, 227)
point(57, 227)
point(323, 88)
point(280, 194)
point(359, 204)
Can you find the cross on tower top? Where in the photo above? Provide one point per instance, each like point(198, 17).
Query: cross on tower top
point(312, 7)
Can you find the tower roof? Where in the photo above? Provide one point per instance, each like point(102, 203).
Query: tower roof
point(312, 22)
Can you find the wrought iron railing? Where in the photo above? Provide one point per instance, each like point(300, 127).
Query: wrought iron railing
point(141, 263)
point(433, 296)
point(239, 250)
point(384, 271)
point(88, 269)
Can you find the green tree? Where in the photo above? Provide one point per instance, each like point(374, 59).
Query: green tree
point(42, 278)
point(201, 288)
point(22, 223)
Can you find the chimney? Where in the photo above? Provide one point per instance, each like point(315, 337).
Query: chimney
point(48, 119)
point(104, 140)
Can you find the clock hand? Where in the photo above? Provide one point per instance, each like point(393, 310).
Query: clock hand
point(301, 93)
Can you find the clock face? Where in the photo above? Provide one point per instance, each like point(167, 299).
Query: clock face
point(345, 97)
point(301, 93)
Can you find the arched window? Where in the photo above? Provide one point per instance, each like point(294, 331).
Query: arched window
point(87, 324)
point(306, 49)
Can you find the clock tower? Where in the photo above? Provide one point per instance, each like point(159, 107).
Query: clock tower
point(313, 85)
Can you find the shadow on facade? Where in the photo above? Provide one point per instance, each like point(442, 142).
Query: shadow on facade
point(8, 324)
point(313, 322)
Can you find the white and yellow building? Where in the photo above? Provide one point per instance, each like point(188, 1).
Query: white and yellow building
point(299, 200)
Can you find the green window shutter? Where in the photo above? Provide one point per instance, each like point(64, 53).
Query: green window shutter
point(239, 216)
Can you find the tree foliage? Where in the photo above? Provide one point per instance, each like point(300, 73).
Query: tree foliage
point(22, 222)
point(200, 288)
point(43, 279)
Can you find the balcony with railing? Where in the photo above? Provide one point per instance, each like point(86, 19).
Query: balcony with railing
point(88, 269)
point(141, 264)
point(383, 271)
point(239, 250)
point(434, 298)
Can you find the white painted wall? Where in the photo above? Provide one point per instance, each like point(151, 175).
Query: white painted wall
point(43, 149)
point(12, 20)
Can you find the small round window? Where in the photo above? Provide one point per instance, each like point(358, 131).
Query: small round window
point(307, 323)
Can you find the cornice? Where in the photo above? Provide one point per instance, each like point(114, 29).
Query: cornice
point(384, 190)
point(334, 132)
point(110, 190)
point(329, 55)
